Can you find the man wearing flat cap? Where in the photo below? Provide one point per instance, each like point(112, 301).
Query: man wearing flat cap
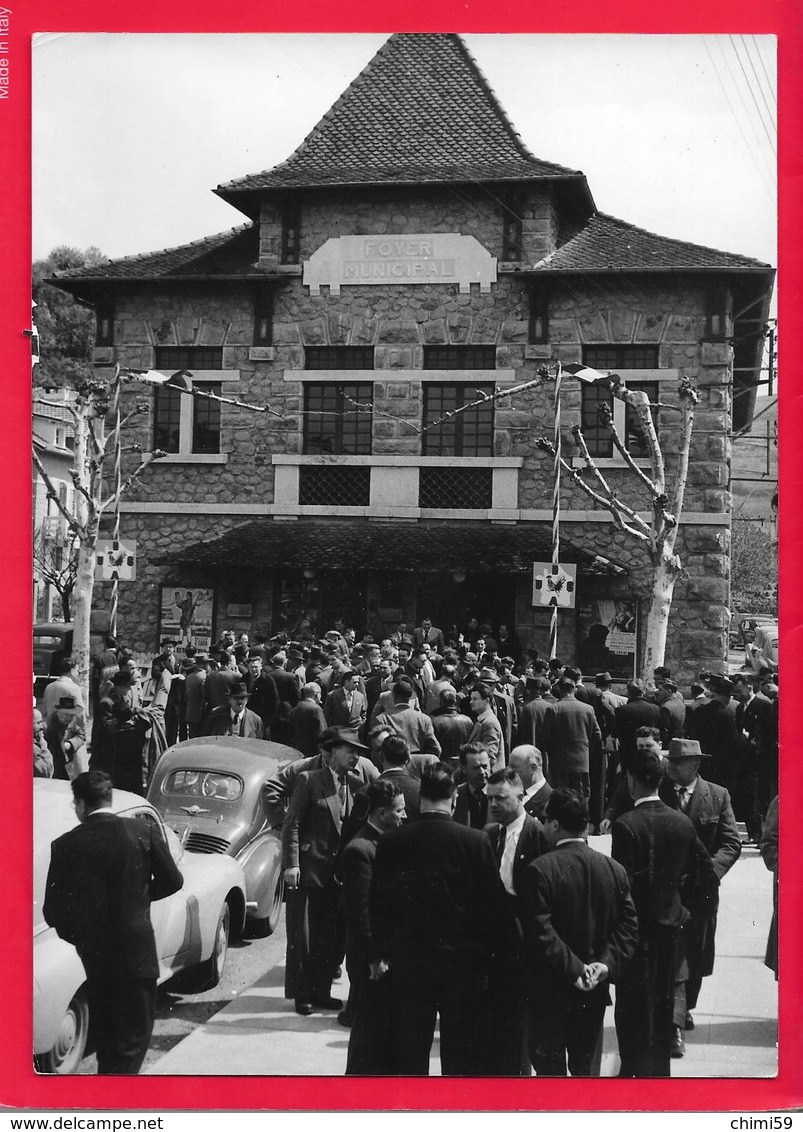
point(709, 809)
point(320, 807)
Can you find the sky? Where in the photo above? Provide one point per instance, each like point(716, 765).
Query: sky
point(131, 133)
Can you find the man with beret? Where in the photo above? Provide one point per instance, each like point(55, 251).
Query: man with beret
point(235, 718)
point(667, 867)
point(709, 809)
point(320, 807)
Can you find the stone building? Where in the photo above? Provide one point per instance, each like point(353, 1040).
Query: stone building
point(411, 257)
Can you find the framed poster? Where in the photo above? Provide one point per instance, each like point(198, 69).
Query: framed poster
point(607, 637)
point(187, 615)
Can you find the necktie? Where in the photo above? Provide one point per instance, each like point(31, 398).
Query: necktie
point(683, 798)
point(343, 795)
point(500, 846)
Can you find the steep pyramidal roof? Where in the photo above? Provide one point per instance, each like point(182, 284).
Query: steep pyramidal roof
point(420, 111)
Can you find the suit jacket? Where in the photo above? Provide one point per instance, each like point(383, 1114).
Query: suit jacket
point(531, 723)
point(434, 638)
point(103, 876)
point(355, 871)
point(220, 723)
point(711, 813)
point(451, 730)
point(628, 718)
point(338, 714)
point(410, 788)
point(470, 810)
point(195, 696)
point(713, 725)
point(277, 791)
point(263, 698)
point(662, 855)
point(578, 910)
point(536, 803)
point(488, 733)
point(571, 727)
point(307, 721)
point(508, 716)
point(218, 683)
point(413, 726)
point(671, 718)
point(311, 830)
point(435, 887)
point(531, 844)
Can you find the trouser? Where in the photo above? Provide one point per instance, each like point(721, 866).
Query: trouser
point(372, 1038)
point(121, 1012)
point(571, 1029)
point(644, 1006)
point(451, 984)
point(313, 936)
point(597, 761)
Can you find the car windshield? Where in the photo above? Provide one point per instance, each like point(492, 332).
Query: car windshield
point(203, 784)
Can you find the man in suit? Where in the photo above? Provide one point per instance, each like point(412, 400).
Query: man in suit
point(408, 720)
point(451, 728)
point(311, 837)
point(663, 858)
point(487, 732)
point(530, 731)
point(437, 911)
point(671, 709)
point(516, 839)
point(709, 809)
point(580, 932)
point(195, 695)
point(571, 729)
point(103, 876)
point(471, 800)
point(756, 729)
point(503, 708)
point(307, 721)
point(628, 717)
point(429, 634)
point(713, 725)
point(289, 694)
point(371, 1042)
point(345, 705)
point(528, 763)
point(263, 698)
point(236, 718)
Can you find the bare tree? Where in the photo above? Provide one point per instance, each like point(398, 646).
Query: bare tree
point(56, 562)
point(658, 533)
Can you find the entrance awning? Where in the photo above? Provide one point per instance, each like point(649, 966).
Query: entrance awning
point(428, 546)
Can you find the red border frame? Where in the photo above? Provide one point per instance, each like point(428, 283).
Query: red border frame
point(21, 1088)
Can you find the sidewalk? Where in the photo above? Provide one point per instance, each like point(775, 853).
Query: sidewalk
point(259, 1034)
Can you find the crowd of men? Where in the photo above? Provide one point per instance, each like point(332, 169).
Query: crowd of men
point(435, 832)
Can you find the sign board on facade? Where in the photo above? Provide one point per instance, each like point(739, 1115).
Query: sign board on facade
point(436, 257)
point(116, 561)
point(607, 636)
point(554, 585)
point(186, 615)
point(233, 610)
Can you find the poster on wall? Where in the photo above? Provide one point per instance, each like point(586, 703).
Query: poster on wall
point(186, 615)
point(607, 637)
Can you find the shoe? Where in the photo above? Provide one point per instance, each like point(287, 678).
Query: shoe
point(327, 1003)
point(344, 1019)
point(305, 1008)
point(688, 1023)
point(678, 1045)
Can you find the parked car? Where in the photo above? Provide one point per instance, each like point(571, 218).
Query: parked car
point(744, 627)
point(208, 791)
point(762, 651)
point(53, 639)
point(192, 927)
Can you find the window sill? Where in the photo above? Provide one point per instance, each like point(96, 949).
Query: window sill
point(379, 461)
point(615, 461)
point(194, 458)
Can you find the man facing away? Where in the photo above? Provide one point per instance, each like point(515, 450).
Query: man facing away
point(580, 932)
point(103, 876)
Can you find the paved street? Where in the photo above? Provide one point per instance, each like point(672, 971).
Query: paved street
point(259, 1034)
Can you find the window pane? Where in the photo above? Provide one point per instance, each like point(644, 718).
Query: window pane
point(468, 433)
point(167, 418)
point(621, 357)
point(460, 357)
point(206, 421)
point(189, 357)
point(596, 434)
point(339, 357)
point(334, 421)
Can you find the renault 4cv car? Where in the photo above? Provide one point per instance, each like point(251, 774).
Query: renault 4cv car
point(208, 791)
point(191, 927)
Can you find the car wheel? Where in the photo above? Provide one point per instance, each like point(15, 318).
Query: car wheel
point(267, 925)
point(71, 1040)
point(209, 973)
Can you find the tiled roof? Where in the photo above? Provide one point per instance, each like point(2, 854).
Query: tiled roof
point(608, 244)
point(422, 547)
point(233, 252)
point(421, 111)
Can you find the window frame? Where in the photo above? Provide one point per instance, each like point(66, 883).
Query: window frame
point(104, 322)
point(538, 332)
point(325, 390)
point(339, 358)
point(622, 419)
point(169, 358)
point(468, 356)
point(263, 316)
point(460, 395)
point(187, 415)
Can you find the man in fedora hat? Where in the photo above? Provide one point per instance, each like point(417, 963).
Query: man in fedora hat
point(713, 725)
point(708, 806)
point(320, 807)
point(235, 718)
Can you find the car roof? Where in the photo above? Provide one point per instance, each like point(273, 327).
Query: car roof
point(229, 752)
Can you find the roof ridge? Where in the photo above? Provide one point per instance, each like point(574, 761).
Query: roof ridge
point(201, 242)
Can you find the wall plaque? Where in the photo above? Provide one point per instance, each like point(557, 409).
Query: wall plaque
point(439, 257)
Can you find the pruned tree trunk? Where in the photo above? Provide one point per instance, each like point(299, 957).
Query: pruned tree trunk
point(665, 571)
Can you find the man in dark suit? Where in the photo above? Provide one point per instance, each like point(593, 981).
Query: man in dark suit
point(346, 705)
point(429, 634)
point(471, 801)
point(531, 716)
point(321, 803)
point(516, 839)
point(571, 729)
point(756, 729)
point(628, 717)
point(663, 857)
point(289, 695)
point(262, 695)
point(235, 718)
point(671, 711)
point(437, 910)
point(307, 721)
point(371, 1042)
point(528, 763)
point(451, 728)
point(580, 933)
point(103, 876)
point(709, 809)
point(713, 725)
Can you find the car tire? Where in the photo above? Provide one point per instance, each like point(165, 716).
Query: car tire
point(209, 973)
point(71, 1043)
point(267, 925)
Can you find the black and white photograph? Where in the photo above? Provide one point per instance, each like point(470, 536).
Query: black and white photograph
point(430, 382)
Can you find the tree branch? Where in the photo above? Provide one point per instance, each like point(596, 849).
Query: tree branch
point(640, 403)
point(621, 448)
point(149, 459)
point(52, 493)
point(689, 398)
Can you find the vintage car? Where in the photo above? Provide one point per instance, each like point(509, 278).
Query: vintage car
point(191, 927)
point(208, 791)
point(762, 651)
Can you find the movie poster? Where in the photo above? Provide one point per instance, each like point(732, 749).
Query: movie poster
point(607, 637)
point(187, 615)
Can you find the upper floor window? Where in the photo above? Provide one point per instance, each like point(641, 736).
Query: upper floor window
point(467, 433)
point(291, 234)
point(186, 424)
point(597, 434)
point(512, 230)
point(460, 357)
point(338, 419)
point(188, 357)
point(339, 357)
point(104, 323)
point(263, 316)
point(620, 357)
point(539, 313)
point(716, 314)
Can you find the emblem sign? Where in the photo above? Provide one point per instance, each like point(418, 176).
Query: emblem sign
point(116, 561)
point(438, 257)
point(554, 585)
